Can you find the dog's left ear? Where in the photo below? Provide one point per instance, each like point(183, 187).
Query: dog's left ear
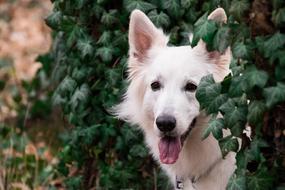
point(143, 35)
point(222, 60)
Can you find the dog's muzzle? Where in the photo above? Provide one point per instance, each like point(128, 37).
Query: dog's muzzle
point(170, 145)
point(191, 126)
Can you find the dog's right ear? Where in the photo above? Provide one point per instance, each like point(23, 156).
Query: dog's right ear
point(143, 36)
point(222, 60)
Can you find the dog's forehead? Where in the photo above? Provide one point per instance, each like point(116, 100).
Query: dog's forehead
point(178, 62)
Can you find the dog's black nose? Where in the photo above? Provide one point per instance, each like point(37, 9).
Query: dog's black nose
point(165, 123)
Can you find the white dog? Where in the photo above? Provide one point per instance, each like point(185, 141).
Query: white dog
point(161, 100)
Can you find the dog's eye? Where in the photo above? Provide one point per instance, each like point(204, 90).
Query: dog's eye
point(155, 86)
point(190, 87)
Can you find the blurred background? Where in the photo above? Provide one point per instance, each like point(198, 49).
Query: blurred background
point(29, 134)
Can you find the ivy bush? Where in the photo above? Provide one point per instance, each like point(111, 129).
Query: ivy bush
point(89, 66)
point(251, 97)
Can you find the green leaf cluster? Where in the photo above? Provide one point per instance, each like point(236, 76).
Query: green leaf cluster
point(250, 96)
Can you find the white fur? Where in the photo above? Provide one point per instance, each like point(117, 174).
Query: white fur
point(150, 59)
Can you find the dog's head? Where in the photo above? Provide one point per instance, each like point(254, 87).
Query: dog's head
point(163, 81)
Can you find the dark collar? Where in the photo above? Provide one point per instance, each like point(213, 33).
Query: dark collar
point(179, 183)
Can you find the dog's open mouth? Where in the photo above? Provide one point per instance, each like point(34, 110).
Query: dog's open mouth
point(169, 149)
point(170, 146)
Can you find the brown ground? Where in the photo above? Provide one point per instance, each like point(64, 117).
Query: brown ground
point(23, 36)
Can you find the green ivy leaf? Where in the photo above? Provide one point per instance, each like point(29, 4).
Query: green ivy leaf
point(88, 134)
point(80, 73)
point(274, 43)
point(105, 38)
point(237, 183)
point(54, 19)
point(216, 102)
point(130, 134)
point(67, 85)
point(256, 110)
point(106, 53)
point(199, 22)
point(139, 150)
point(186, 3)
point(240, 50)
point(75, 34)
point(250, 78)
point(280, 72)
point(222, 39)
point(228, 144)
point(173, 7)
point(121, 39)
point(57, 99)
point(79, 3)
point(274, 94)
point(242, 157)
point(84, 45)
point(262, 180)
point(215, 127)
point(255, 77)
point(160, 19)
point(237, 70)
point(206, 30)
point(237, 129)
point(67, 24)
point(131, 5)
point(238, 114)
point(279, 17)
point(238, 86)
point(209, 94)
point(254, 152)
point(238, 7)
point(279, 56)
point(97, 10)
point(280, 187)
point(80, 96)
point(226, 83)
point(228, 106)
point(101, 1)
point(109, 18)
point(234, 116)
point(74, 182)
point(277, 4)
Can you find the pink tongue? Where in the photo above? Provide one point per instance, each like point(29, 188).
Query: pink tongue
point(169, 149)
